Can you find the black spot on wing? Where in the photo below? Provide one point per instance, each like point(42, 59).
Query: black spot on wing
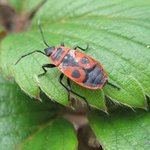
point(69, 61)
point(75, 74)
point(85, 60)
point(58, 54)
point(94, 76)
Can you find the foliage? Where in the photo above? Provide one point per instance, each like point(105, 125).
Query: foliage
point(118, 34)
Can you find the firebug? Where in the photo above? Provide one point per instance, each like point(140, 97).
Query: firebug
point(75, 65)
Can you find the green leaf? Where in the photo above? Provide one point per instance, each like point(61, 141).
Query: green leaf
point(55, 136)
point(21, 118)
point(118, 35)
point(122, 129)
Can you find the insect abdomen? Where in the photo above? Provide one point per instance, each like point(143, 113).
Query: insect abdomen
point(94, 76)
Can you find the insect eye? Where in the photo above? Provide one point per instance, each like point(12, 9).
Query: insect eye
point(49, 50)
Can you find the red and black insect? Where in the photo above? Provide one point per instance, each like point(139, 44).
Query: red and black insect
point(75, 65)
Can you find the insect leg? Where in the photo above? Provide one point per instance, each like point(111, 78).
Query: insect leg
point(113, 85)
point(69, 87)
point(46, 66)
point(83, 49)
point(60, 81)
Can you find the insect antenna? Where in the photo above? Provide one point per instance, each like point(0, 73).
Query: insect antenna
point(41, 31)
point(36, 51)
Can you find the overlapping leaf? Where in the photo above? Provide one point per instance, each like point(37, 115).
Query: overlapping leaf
point(24, 121)
point(118, 35)
point(123, 129)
